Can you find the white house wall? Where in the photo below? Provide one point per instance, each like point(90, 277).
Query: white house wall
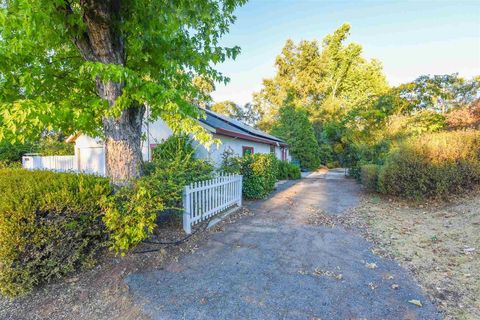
point(90, 152)
point(90, 155)
point(154, 133)
point(236, 145)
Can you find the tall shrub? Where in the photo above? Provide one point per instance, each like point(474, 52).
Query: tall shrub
point(259, 175)
point(130, 214)
point(50, 225)
point(294, 127)
point(435, 164)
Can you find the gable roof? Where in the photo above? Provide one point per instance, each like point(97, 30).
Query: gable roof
point(233, 128)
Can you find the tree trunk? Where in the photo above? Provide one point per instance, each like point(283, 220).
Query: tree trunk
point(123, 154)
point(102, 42)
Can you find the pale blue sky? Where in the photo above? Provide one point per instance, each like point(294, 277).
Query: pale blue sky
point(410, 38)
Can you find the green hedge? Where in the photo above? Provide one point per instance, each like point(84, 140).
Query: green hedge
point(287, 171)
point(259, 173)
point(50, 225)
point(369, 176)
point(433, 165)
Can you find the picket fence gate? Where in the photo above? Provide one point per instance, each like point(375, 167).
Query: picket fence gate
point(203, 199)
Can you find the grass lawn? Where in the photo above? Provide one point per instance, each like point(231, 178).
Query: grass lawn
point(438, 242)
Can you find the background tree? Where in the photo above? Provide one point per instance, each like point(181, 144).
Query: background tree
point(441, 93)
point(328, 80)
point(250, 115)
point(294, 127)
point(94, 65)
point(228, 108)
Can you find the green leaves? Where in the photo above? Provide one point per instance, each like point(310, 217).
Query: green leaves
point(49, 229)
point(294, 127)
point(328, 80)
point(46, 84)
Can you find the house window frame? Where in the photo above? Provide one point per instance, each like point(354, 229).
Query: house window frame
point(245, 148)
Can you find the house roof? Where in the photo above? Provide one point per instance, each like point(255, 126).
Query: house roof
point(226, 126)
point(233, 128)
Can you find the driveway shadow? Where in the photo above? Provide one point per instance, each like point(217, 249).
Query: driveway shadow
point(274, 265)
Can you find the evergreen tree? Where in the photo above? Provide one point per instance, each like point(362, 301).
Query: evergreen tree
point(294, 127)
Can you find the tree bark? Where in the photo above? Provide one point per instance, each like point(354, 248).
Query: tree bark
point(103, 42)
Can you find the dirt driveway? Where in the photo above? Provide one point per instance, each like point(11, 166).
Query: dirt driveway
point(276, 264)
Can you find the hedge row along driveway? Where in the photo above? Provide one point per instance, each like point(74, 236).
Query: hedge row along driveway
point(277, 264)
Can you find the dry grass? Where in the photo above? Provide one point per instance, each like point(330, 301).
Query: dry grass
point(438, 242)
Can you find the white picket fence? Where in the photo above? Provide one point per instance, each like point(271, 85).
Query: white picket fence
point(203, 199)
point(53, 163)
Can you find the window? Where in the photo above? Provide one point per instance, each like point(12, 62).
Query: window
point(272, 149)
point(247, 150)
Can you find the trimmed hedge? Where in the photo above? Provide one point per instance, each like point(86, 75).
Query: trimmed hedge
point(433, 165)
point(287, 171)
point(50, 225)
point(259, 173)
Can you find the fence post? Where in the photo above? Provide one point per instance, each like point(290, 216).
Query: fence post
point(241, 193)
point(187, 225)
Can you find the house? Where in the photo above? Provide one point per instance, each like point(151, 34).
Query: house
point(234, 135)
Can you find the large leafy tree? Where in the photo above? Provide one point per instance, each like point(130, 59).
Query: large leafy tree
point(327, 79)
point(95, 66)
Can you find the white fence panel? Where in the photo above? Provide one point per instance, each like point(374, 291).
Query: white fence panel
point(53, 163)
point(203, 199)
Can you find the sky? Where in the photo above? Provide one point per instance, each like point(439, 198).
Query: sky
point(410, 38)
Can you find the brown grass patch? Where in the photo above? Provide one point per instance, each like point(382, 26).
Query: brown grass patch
point(438, 242)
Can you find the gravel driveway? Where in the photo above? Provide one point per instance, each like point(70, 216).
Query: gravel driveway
point(277, 265)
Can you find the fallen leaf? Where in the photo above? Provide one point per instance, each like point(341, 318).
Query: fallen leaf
point(468, 250)
point(416, 302)
point(395, 286)
point(372, 265)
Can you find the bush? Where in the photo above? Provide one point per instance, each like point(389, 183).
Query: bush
point(174, 147)
point(10, 165)
point(53, 147)
point(11, 153)
point(131, 213)
point(287, 171)
point(259, 173)
point(433, 165)
point(50, 225)
point(369, 176)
